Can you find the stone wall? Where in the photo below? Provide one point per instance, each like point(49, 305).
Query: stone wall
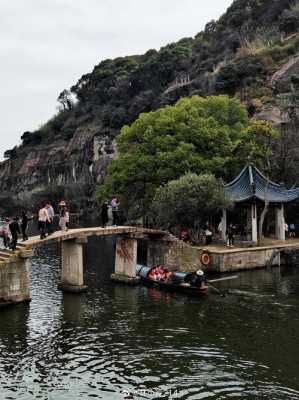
point(175, 255)
point(179, 256)
point(242, 260)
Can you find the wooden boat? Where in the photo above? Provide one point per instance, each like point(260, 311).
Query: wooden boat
point(144, 272)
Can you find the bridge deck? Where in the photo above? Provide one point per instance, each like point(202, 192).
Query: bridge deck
point(60, 236)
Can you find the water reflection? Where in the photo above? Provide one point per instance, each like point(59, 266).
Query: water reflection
point(116, 338)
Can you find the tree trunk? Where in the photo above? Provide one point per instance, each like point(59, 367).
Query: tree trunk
point(266, 205)
point(262, 220)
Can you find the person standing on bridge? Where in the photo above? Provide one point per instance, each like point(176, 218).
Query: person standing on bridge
point(67, 218)
point(115, 210)
point(104, 213)
point(63, 218)
point(24, 225)
point(6, 232)
point(43, 218)
point(15, 231)
point(51, 215)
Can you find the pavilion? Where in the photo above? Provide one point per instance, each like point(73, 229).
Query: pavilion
point(250, 189)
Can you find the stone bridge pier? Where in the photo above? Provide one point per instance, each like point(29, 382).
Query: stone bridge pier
point(15, 278)
point(72, 276)
point(125, 260)
point(168, 251)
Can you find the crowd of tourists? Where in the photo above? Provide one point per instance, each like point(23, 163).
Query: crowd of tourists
point(12, 228)
point(46, 216)
point(209, 233)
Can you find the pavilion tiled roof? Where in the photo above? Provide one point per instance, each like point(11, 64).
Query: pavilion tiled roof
point(252, 184)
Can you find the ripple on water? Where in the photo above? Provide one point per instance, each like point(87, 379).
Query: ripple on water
point(116, 338)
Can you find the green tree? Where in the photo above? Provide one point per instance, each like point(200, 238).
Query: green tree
point(257, 144)
point(200, 135)
point(65, 100)
point(188, 201)
point(289, 20)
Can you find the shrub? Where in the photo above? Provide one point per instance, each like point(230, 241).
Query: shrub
point(32, 138)
point(227, 79)
point(188, 201)
point(289, 21)
point(232, 75)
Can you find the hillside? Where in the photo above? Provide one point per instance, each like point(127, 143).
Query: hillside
point(251, 52)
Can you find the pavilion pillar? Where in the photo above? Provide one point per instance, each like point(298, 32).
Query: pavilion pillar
point(249, 225)
point(254, 236)
point(224, 224)
point(279, 223)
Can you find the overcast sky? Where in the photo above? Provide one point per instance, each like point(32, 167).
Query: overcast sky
point(46, 45)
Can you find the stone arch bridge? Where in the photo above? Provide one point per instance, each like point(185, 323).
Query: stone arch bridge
point(162, 248)
point(15, 266)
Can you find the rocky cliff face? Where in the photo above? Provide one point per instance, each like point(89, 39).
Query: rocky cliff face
point(252, 52)
point(62, 169)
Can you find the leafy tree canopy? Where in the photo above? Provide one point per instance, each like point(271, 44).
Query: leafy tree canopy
point(199, 135)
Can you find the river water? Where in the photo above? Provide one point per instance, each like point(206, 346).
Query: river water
point(116, 339)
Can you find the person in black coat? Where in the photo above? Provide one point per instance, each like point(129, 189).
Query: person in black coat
point(104, 213)
point(195, 279)
point(230, 234)
point(15, 231)
point(24, 225)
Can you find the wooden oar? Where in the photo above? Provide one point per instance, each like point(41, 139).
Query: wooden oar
point(227, 278)
point(220, 292)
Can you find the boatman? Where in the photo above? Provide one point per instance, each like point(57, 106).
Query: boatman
point(195, 279)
